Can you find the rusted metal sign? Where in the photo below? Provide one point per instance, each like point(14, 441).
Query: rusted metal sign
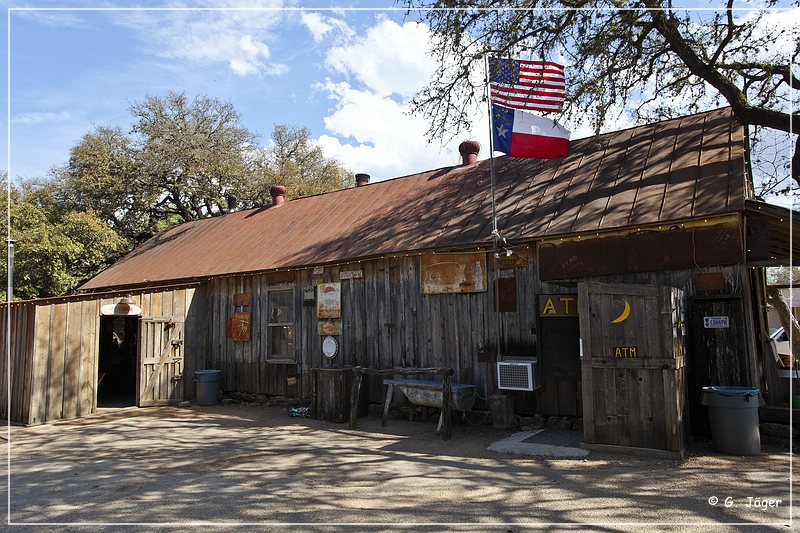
point(240, 327)
point(243, 299)
point(506, 295)
point(671, 248)
point(330, 327)
point(453, 273)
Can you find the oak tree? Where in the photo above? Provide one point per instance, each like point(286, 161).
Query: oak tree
point(646, 56)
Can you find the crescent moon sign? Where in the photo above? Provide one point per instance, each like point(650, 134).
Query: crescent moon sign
point(624, 316)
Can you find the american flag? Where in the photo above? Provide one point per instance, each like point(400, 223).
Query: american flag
point(527, 85)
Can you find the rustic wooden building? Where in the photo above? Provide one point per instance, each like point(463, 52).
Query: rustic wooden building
point(412, 262)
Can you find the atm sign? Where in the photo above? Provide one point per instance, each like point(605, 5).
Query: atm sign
point(558, 305)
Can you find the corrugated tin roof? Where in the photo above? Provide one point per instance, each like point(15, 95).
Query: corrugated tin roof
point(672, 170)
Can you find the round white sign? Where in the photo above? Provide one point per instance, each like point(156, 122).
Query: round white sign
point(329, 347)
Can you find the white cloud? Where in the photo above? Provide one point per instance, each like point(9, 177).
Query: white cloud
point(370, 128)
point(251, 58)
point(53, 19)
point(321, 26)
point(41, 117)
point(390, 59)
point(237, 39)
point(317, 25)
point(376, 135)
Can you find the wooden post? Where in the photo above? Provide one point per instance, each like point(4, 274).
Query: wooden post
point(354, 393)
point(447, 387)
point(386, 405)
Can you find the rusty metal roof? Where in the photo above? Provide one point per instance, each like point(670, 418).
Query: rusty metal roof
point(673, 170)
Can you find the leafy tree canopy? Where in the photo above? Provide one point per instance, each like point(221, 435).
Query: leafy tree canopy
point(656, 60)
point(55, 250)
point(182, 160)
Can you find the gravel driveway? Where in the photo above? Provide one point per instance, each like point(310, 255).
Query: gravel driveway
point(197, 468)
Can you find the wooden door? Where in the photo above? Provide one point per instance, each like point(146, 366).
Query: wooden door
point(160, 377)
point(633, 366)
point(720, 353)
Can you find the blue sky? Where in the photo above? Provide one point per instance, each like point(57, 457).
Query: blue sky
point(348, 75)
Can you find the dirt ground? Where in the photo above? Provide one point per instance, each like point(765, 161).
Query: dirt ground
point(250, 468)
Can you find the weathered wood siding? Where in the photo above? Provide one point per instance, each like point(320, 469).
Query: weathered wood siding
point(64, 360)
point(245, 365)
point(55, 345)
point(17, 366)
point(387, 322)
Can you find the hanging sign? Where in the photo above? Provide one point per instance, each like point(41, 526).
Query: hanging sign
point(558, 305)
point(453, 273)
point(329, 300)
point(351, 274)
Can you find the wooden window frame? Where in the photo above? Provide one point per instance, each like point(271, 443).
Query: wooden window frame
point(272, 358)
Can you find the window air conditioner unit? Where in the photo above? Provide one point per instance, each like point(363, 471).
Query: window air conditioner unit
point(516, 375)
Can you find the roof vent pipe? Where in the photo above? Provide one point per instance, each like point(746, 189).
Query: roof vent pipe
point(277, 192)
point(362, 179)
point(469, 151)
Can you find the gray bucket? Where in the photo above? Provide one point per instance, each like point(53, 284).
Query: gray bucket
point(733, 413)
point(207, 386)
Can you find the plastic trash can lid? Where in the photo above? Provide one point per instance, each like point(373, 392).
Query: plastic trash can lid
point(732, 391)
point(206, 372)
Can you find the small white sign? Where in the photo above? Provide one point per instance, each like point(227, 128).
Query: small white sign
point(716, 322)
point(351, 274)
point(318, 270)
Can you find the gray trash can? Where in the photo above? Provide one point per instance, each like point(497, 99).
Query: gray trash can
point(733, 413)
point(207, 387)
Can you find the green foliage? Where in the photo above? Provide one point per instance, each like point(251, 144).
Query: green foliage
point(102, 176)
point(295, 161)
point(187, 160)
point(55, 250)
point(190, 155)
point(183, 160)
point(783, 275)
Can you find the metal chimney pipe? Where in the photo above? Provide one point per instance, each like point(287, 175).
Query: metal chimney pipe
point(278, 192)
point(362, 179)
point(469, 151)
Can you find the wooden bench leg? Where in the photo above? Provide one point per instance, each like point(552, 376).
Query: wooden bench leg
point(441, 422)
point(386, 405)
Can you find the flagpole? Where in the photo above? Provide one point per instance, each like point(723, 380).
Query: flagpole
point(495, 232)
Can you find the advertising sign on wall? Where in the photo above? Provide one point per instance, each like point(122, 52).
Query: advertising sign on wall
point(329, 304)
point(453, 273)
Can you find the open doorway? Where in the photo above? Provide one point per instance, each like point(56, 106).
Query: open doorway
point(116, 372)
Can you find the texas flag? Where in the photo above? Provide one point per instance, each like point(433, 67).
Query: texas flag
point(521, 134)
